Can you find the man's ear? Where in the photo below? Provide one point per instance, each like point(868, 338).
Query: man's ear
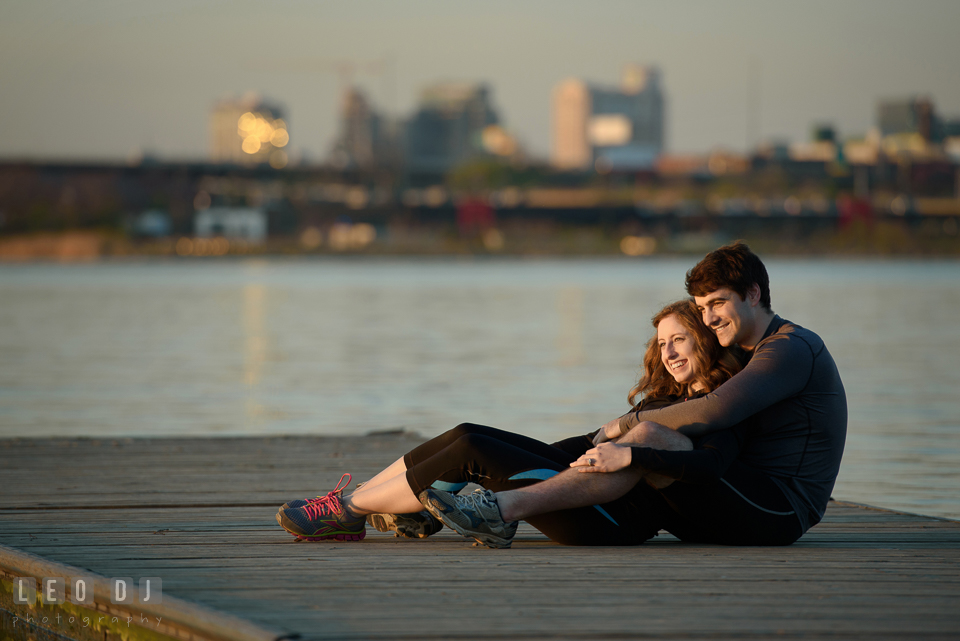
point(753, 295)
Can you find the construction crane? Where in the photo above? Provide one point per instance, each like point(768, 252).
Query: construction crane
point(347, 70)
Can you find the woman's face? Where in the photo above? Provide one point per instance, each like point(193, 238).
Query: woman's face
point(676, 349)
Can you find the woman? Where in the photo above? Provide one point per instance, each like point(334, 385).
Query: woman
point(683, 360)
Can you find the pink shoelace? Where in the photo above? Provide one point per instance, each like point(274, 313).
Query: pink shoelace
point(329, 504)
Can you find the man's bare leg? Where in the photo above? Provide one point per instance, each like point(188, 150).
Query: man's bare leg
point(571, 488)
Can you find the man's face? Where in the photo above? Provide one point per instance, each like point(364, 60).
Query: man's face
point(730, 317)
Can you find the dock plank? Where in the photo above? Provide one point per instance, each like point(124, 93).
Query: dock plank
point(199, 513)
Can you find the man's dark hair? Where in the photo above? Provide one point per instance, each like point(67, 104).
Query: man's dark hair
point(732, 266)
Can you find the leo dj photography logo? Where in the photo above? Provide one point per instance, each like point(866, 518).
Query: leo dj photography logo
point(123, 590)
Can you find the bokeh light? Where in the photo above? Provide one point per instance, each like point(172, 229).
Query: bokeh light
point(280, 138)
point(202, 200)
point(246, 123)
point(262, 136)
point(346, 236)
point(251, 144)
point(311, 238)
point(493, 239)
point(264, 130)
point(638, 245)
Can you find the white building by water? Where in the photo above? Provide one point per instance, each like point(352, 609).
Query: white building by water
point(240, 223)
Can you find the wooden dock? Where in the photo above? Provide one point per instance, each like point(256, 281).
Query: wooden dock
point(200, 514)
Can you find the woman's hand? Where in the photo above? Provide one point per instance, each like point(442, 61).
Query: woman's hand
point(608, 432)
point(606, 457)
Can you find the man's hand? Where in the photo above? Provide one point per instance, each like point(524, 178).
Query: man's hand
point(606, 457)
point(608, 432)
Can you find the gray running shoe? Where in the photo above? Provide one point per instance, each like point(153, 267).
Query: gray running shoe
point(419, 525)
point(475, 515)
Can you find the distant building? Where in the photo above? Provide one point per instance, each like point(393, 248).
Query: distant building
point(609, 128)
point(863, 151)
point(952, 148)
point(366, 138)
point(448, 127)
point(233, 223)
point(152, 223)
point(716, 163)
point(951, 128)
point(909, 116)
point(814, 151)
point(248, 131)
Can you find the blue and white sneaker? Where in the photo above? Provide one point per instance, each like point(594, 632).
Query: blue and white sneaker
point(323, 519)
point(474, 515)
point(305, 502)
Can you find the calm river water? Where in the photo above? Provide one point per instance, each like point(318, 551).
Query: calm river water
point(548, 348)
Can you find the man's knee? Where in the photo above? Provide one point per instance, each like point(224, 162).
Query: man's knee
point(656, 436)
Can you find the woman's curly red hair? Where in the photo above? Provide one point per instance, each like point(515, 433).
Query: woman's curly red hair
point(714, 364)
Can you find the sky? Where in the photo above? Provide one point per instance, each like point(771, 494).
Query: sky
point(111, 79)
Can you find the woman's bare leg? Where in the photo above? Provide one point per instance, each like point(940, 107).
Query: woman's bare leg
point(397, 468)
point(392, 496)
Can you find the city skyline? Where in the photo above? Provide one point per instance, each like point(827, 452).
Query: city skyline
point(107, 79)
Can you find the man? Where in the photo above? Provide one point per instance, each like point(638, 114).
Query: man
point(788, 412)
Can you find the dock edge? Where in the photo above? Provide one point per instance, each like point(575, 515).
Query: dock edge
point(180, 619)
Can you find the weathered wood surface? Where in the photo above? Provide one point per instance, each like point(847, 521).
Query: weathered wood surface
point(200, 514)
point(169, 619)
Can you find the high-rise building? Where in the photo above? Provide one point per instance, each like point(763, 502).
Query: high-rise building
point(248, 131)
point(360, 127)
point(366, 138)
point(609, 128)
point(448, 127)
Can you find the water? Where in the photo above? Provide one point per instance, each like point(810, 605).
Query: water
point(548, 348)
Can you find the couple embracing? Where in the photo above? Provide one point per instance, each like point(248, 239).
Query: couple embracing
point(736, 439)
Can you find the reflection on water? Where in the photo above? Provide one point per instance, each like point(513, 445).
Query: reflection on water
point(546, 348)
point(255, 341)
point(570, 334)
point(254, 348)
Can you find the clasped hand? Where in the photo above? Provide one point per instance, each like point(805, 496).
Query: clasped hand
point(608, 432)
point(605, 457)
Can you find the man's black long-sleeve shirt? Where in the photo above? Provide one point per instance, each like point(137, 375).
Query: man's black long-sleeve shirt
point(788, 413)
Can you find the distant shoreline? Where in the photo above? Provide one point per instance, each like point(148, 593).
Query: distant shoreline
point(883, 240)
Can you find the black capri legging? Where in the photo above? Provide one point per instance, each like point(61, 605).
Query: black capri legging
point(746, 507)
